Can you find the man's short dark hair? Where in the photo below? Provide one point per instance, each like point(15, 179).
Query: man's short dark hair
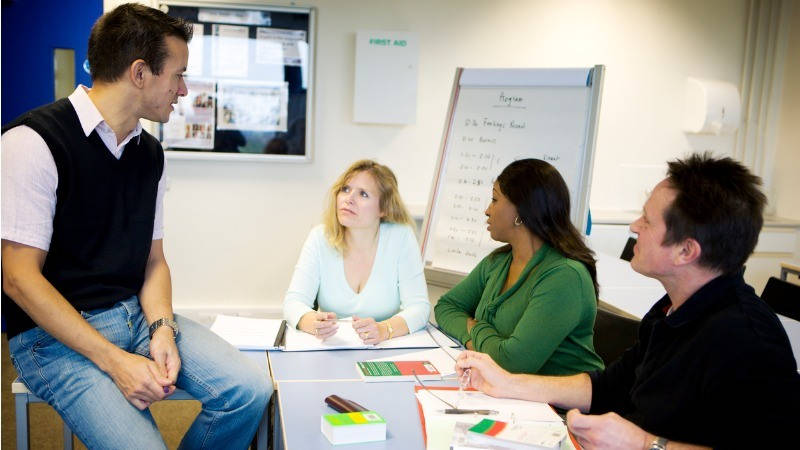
point(130, 32)
point(718, 204)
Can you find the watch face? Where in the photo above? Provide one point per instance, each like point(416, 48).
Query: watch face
point(658, 444)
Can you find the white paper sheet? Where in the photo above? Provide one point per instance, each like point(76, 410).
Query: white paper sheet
point(242, 17)
point(278, 46)
point(462, 440)
point(191, 124)
point(230, 51)
point(438, 357)
point(347, 338)
point(252, 106)
point(247, 333)
point(439, 426)
point(508, 408)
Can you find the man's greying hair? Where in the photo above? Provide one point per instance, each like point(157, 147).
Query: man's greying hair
point(720, 205)
point(130, 32)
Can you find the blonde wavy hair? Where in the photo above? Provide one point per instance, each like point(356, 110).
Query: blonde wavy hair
point(391, 205)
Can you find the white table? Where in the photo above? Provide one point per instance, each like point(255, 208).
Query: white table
point(303, 379)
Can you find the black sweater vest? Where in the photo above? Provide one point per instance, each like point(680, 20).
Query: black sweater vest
point(103, 223)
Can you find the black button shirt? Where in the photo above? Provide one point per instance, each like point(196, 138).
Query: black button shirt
point(718, 371)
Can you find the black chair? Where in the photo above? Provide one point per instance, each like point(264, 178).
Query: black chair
point(783, 297)
point(627, 252)
point(613, 334)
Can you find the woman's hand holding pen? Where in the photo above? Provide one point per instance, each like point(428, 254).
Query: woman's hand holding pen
point(321, 324)
point(369, 330)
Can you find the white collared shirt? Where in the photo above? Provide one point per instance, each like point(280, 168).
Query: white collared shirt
point(30, 177)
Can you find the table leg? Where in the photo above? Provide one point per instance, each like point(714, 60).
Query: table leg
point(277, 429)
point(262, 435)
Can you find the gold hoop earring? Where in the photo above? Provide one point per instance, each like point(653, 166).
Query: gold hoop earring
point(517, 221)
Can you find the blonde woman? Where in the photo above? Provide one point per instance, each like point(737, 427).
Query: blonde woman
point(362, 262)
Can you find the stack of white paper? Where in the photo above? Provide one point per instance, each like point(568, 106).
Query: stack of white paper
point(247, 333)
point(439, 426)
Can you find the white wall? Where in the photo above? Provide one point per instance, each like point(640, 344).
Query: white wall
point(233, 230)
point(787, 158)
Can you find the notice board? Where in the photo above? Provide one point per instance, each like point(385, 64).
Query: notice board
point(497, 116)
point(250, 82)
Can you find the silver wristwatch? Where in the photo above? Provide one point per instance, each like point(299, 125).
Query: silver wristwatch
point(162, 322)
point(658, 443)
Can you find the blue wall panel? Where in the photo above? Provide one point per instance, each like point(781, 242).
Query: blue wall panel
point(31, 29)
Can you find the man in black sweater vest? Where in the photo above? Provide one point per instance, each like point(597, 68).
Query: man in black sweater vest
point(713, 366)
point(87, 294)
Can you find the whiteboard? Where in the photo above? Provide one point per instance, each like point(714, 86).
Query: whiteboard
point(497, 116)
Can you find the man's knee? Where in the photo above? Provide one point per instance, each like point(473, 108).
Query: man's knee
point(255, 391)
point(245, 389)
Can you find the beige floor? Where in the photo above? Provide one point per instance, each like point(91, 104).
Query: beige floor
point(172, 417)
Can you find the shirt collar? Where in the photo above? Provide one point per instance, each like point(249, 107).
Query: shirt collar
point(90, 117)
point(707, 297)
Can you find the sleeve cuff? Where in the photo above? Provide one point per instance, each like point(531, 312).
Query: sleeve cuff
point(413, 321)
point(292, 312)
point(596, 378)
point(474, 334)
point(26, 239)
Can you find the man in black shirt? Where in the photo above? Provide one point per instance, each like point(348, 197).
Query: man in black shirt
point(712, 366)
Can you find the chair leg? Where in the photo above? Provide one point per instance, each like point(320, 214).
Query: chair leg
point(21, 411)
point(67, 432)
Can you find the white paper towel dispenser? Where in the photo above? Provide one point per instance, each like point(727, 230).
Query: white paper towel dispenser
point(712, 107)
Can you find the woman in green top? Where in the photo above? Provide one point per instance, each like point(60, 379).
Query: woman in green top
point(531, 304)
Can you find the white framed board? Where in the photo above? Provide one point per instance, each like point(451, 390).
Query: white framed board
point(497, 116)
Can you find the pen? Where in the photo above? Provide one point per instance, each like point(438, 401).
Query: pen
point(483, 412)
point(280, 338)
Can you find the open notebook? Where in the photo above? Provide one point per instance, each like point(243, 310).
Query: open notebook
point(247, 333)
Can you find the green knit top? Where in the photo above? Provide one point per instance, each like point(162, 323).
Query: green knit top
point(542, 324)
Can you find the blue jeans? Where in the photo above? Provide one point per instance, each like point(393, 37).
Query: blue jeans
point(233, 391)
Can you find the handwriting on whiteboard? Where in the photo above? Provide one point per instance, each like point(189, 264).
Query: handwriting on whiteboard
point(494, 124)
point(491, 128)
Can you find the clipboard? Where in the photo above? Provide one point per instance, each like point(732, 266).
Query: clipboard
point(454, 388)
point(250, 333)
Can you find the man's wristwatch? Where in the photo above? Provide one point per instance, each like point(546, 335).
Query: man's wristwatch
point(162, 322)
point(658, 443)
